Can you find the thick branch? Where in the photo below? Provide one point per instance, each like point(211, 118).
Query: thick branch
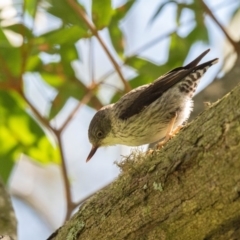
point(8, 222)
point(187, 190)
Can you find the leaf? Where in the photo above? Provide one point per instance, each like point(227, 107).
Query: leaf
point(72, 88)
point(197, 34)
point(65, 35)
point(31, 6)
point(10, 58)
point(115, 32)
point(117, 38)
point(54, 80)
point(58, 103)
point(159, 10)
point(20, 29)
point(178, 50)
point(19, 133)
point(144, 67)
point(200, 32)
point(120, 12)
point(68, 54)
point(33, 63)
point(101, 13)
point(180, 8)
point(62, 10)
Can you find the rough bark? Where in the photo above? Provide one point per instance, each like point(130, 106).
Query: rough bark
point(8, 223)
point(190, 189)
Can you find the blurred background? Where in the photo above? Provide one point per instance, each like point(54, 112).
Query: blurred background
point(62, 60)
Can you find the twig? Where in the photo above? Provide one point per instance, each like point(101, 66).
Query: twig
point(67, 186)
point(85, 100)
point(235, 45)
point(93, 29)
point(66, 183)
point(137, 51)
point(42, 119)
point(91, 61)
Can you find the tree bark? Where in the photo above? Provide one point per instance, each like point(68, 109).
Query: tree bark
point(190, 189)
point(8, 223)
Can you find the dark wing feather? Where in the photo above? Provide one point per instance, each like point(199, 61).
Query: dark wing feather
point(157, 88)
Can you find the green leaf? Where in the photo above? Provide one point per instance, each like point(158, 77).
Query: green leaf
point(120, 12)
point(19, 133)
point(10, 60)
point(20, 29)
point(101, 13)
point(178, 50)
point(62, 10)
point(73, 88)
point(197, 34)
point(31, 6)
point(117, 37)
point(58, 103)
point(53, 80)
point(160, 8)
point(144, 67)
point(33, 63)
point(4, 43)
point(68, 54)
point(65, 35)
point(200, 32)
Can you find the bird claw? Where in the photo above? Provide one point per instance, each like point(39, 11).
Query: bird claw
point(168, 137)
point(149, 151)
point(162, 143)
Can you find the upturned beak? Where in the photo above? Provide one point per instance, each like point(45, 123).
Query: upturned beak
point(92, 152)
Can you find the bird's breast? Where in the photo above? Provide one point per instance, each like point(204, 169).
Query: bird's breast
point(151, 124)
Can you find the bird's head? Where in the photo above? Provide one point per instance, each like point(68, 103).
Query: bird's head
point(99, 131)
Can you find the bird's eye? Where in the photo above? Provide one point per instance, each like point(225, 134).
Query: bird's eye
point(99, 134)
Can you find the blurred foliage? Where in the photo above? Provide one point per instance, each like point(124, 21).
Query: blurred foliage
point(20, 132)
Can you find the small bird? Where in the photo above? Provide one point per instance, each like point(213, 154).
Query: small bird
point(150, 112)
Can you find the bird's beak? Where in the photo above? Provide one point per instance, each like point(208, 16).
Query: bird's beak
point(92, 152)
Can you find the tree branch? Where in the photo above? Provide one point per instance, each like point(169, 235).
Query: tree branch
point(93, 29)
point(42, 119)
point(57, 133)
point(66, 183)
point(187, 190)
point(235, 45)
point(8, 222)
point(85, 100)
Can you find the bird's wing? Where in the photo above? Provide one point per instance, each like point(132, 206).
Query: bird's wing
point(135, 101)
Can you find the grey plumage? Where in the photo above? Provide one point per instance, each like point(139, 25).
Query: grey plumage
point(143, 115)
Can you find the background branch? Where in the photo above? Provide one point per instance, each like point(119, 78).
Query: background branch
point(93, 29)
point(235, 45)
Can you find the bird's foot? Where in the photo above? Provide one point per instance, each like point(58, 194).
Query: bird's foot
point(163, 142)
point(149, 151)
point(168, 137)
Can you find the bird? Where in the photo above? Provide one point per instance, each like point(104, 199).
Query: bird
point(151, 112)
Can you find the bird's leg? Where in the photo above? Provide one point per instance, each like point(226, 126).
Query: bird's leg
point(176, 130)
point(170, 133)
